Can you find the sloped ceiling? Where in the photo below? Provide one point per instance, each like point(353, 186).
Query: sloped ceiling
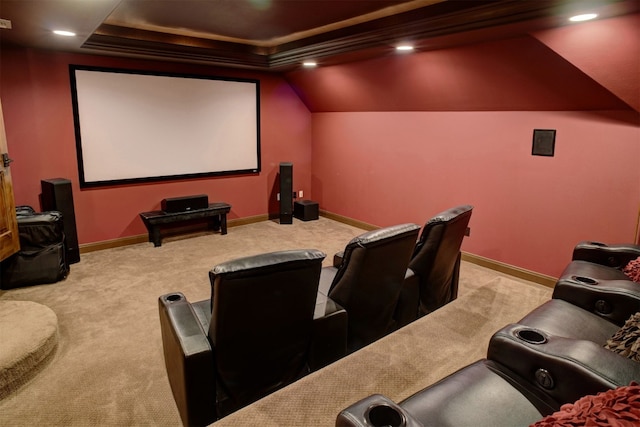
point(608, 51)
point(523, 73)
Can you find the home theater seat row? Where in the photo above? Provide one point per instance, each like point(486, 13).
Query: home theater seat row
point(432, 275)
point(581, 346)
point(224, 353)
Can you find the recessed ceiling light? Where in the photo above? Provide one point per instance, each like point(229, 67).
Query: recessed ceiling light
point(64, 33)
point(309, 64)
point(404, 48)
point(583, 17)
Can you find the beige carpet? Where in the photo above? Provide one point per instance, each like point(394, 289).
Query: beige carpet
point(108, 368)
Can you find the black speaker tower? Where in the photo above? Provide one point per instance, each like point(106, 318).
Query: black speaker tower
point(58, 196)
point(286, 193)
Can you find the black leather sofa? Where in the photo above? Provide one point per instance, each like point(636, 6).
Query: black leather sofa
point(42, 255)
point(557, 354)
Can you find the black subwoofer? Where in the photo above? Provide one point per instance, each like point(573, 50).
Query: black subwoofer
point(305, 210)
point(57, 195)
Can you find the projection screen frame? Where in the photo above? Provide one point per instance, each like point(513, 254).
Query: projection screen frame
point(89, 183)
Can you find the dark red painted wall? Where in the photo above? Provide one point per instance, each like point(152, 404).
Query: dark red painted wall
point(36, 100)
point(387, 168)
point(400, 138)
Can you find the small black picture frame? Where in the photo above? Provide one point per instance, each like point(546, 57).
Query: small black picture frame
point(544, 142)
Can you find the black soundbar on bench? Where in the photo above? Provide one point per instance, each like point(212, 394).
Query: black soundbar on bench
point(215, 214)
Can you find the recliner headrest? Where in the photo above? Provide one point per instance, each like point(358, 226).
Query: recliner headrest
point(272, 259)
point(450, 214)
point(383, 233)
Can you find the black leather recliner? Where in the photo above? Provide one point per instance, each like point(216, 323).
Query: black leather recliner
point(593, 297)
point(594, 280)
point(368, 280)
point(254, 336)
point(598, 260)
point(527, 374)
point(431, 280)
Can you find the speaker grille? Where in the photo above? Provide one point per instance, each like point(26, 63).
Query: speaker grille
point(57, 195)
point(544, 141)
point(286, 193)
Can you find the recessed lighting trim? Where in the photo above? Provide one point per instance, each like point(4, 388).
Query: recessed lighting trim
point(583, 17)
point(64, 33)
point(404, 48)
point(309, 64)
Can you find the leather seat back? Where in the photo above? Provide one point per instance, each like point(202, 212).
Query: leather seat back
point(261, 323)
point(436, 257)
point(368, 281)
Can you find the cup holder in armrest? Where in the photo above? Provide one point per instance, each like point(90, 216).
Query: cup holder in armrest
point(585, 280)
point(381, 415)
point(531, 336)
point(376, 410)
point(173, 297)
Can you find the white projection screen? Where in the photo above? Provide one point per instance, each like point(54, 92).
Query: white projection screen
point(138, 126)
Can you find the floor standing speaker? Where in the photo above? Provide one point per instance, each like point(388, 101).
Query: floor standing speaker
point(58, 196)
point(286, 193)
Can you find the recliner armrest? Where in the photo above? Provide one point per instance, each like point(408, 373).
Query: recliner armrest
point(611, 255)
point(614, 300)
point(407, 309)
point(329, 341)
point(564, 368)
point(188, 359)
point(337, 259)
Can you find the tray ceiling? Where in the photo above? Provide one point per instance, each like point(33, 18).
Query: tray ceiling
point(277, 34)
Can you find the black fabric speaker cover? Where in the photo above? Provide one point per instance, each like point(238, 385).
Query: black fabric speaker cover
point(57, 195)
point(40, 230)
point(286, 193)
point(34, 267)
point(41, 258)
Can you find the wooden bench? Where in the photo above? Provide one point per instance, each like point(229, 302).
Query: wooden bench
point(215, 215)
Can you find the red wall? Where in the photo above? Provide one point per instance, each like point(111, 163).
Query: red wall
point(402, 138)
point(36, 100)
point(390, 167)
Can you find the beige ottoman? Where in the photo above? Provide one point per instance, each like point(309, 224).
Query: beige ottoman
point(28, 338)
